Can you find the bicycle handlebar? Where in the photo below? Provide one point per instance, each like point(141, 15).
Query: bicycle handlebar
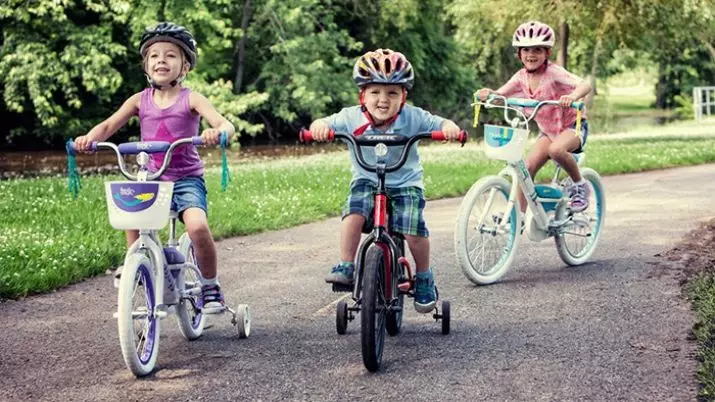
point(149, 147)
point(386, 139)
point(513, 103)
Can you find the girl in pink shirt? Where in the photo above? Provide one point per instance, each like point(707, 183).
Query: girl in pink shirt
point(541, 80)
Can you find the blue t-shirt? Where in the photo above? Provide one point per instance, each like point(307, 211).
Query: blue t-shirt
point(411, 120)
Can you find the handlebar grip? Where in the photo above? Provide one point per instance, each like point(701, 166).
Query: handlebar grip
point(578, 105)
point(307, 137)
point(197, 140)
point(439, 136)
point(71, 148)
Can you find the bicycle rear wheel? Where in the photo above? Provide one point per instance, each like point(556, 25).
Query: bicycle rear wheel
point(188, 311)
point(577, 239)
point(138, 327)
point(374, 309)
point(485, 247)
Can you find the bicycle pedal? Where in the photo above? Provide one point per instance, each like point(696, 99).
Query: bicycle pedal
point(404, 286)
point(340, 287)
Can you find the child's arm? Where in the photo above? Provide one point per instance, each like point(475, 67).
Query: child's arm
point(450, 129)
point(104, 130)
point(511, 87)
point(218, 123)
point(581, 90)
point(581, 86)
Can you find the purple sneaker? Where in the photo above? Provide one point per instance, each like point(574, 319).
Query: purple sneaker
point(212, 299)
point(579, 194)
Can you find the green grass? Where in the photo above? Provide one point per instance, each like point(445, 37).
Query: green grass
point(50, 240)
point(701, 292)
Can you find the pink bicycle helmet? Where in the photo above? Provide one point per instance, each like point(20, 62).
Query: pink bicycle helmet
point(533, 34)
point(383, 66)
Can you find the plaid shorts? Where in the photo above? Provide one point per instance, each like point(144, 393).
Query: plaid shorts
point(405, 204)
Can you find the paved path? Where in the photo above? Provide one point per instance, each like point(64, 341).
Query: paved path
point(614, 329)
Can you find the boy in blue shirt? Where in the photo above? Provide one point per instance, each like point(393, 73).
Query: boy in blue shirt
point(384, 77)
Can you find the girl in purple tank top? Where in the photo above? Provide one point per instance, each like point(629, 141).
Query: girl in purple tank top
point(167, 112)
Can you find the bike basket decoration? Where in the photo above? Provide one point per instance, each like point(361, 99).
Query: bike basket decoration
point(138, 205)
point(505, 143)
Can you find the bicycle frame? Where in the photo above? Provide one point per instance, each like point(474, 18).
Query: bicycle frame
point(517, 170)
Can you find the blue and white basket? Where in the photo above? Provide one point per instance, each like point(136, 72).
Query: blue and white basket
point(504, 143)
point(138, 205)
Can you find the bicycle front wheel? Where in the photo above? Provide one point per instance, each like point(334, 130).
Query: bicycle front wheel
point(138, 327)
point(374, 309)
point(577, 239)
point(485, 245)
point(191, 319)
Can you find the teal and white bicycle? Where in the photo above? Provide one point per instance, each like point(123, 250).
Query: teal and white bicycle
point(485, 242)
point(155, 279)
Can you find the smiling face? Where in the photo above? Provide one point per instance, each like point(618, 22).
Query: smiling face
point(534, 57)
point(382, 101)
point(165, 62)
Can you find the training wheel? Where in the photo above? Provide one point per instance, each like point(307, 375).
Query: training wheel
point(242, 321)
point(341, 318)
point(445, 317)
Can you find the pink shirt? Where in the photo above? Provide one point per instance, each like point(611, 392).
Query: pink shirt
point(555, 83)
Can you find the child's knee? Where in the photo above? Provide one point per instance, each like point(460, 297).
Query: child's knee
point(556, 150)
point(198, 231)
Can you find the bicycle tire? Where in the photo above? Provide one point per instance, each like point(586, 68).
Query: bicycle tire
point(374, 311)
point(571, 246)
point(472, 246)
point(138, 327)
point(190, 319)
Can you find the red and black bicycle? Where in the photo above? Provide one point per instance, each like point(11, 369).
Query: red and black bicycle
point(383, 275)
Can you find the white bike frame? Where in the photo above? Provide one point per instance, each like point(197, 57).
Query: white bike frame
point(519, 173)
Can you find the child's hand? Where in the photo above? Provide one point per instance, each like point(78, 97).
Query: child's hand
point(319, 130)
point(566, 101)
point(210, 136)
point(450, 130)
point(483, 93)
point(81, 144)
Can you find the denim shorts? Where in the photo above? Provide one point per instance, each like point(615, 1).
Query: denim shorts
point(189, 192)
point(406, 206)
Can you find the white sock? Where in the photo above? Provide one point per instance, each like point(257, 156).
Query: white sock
point(213, 281)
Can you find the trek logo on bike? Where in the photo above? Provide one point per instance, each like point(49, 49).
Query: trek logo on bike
point(382, 137)
point(134, 197)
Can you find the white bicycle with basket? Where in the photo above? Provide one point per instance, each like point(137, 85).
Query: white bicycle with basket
point(155, 280)
point(486, 243)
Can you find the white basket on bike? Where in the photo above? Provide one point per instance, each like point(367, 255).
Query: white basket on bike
point(138, 205)
point(505, 143)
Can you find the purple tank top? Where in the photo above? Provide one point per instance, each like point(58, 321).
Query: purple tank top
point(170, 124)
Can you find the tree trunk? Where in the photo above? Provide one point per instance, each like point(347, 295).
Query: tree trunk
point(562, 58)
point(241, 47)
point(661, 87)
point(594, 71)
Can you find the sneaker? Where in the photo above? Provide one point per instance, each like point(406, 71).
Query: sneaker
point(212, 299)
point(425, 293)
point(342, 273)
point(579, 194)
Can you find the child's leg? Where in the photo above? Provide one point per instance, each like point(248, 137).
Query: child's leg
point(350, 232)
point(132, 236)
point(537, 158)
point(560, 149)
point(359, 205)
point(408, 204)
point(197, 227)
point(420, 249)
